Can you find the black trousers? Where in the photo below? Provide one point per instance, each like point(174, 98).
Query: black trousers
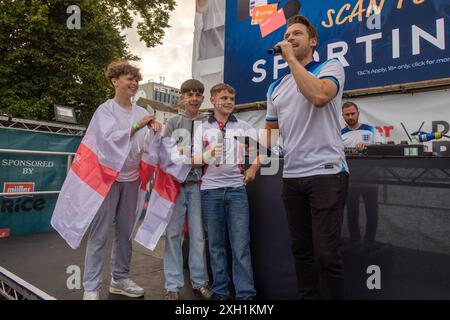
point(314, 207)
point(370, 197)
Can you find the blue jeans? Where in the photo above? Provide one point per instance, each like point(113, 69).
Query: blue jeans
point(225, 210)
point(189, 199)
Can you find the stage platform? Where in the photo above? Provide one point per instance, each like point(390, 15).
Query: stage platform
point(42, 260)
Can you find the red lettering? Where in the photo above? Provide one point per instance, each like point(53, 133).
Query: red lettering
point(387, 130)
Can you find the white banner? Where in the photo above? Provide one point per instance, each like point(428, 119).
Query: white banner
point(387, 112)
point(209, 38)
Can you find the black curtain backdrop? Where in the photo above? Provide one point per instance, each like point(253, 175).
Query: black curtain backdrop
point(411, 245)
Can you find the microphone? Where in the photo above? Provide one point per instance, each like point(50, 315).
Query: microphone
point(275, 51)
point(291, 8)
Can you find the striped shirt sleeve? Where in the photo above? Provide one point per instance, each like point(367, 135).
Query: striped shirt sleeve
point(334, 71)
point(272, 112)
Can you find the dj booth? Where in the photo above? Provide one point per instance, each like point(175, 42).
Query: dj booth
point(408, 217)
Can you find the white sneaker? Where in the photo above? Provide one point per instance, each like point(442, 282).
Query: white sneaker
point(91, 295)
point(126, 287)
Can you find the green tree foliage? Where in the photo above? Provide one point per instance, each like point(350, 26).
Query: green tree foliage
point(43, 62)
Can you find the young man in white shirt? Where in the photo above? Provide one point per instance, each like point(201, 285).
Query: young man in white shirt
point(224, 197)
point(129, 123)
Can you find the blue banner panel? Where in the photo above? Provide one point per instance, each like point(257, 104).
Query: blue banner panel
point(27, 214)
point(407, 42)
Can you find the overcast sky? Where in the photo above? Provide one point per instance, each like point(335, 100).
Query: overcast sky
point(172, 59)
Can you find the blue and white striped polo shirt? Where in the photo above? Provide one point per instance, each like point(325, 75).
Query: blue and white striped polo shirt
point(312, 142)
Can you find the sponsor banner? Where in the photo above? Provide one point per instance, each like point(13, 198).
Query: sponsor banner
point(14, 187)
point(379, 42)
point(31, 173)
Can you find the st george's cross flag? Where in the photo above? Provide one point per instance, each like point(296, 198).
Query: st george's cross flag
point(96, 166)
point(171, 172)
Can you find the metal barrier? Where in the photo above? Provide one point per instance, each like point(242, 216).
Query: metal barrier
point(14, 288)
point(41, 126)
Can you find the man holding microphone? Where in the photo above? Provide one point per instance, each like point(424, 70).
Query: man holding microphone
point(305, 106)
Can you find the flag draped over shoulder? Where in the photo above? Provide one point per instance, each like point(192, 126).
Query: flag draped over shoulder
point(146, 170)
point(97, 163)
point(171, 172)
point(96, 166)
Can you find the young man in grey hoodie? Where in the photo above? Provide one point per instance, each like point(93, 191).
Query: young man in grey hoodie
point(181, 128)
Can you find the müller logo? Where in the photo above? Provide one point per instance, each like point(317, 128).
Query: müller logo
point(12, 187)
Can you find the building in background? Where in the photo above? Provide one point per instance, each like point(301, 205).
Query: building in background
point(159, 92)
point(159, 98)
